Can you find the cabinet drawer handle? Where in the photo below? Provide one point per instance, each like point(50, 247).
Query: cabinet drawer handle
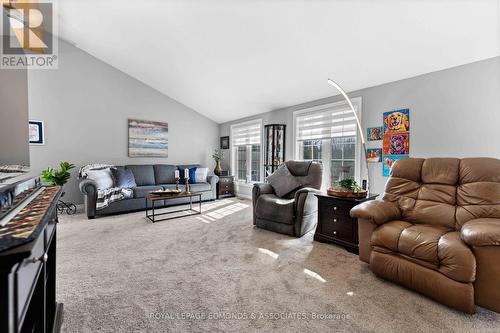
point(334, 220)
point(43, 258)
point(335, 208)
point(334, 232)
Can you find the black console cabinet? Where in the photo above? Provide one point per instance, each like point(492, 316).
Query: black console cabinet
point(28, 281)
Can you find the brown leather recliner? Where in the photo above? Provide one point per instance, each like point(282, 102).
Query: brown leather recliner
point(437, 230)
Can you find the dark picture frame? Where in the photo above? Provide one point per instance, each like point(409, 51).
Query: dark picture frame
point(36, 132)
point(224, 142)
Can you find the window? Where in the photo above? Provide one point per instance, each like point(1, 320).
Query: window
point(328, 133)
point(246, 151)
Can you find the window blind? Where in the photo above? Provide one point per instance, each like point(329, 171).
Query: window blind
point(246, 134)
point(333, 121)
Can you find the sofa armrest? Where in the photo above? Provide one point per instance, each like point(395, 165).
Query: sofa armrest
point(376, 211)
point(213, 180)
point(89, 189)
point(305, 201)
point(481, 232)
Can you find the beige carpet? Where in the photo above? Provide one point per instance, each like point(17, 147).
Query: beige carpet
point(216, 272)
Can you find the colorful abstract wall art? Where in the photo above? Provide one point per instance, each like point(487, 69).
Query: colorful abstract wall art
point(396, 142)
point(397, 121)
point(374, 155)
point(388, 161)
point(374, 133)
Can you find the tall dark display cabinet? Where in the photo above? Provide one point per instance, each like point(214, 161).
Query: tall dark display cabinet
point(275, 147)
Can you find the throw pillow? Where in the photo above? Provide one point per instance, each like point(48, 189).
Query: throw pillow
point(282, 181)
point(102, 178)
point(201, 175)
point(192, 176)
point(123, 178)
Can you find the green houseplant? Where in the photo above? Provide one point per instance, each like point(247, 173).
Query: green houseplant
point(58, 177)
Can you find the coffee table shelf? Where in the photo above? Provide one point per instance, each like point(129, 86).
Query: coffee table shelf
point(155, 197)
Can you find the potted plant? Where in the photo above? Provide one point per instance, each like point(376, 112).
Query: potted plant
point(347, 188)
point(218, 155)
point(60, 177)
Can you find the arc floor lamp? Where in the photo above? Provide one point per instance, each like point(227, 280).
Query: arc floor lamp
point(360, 129)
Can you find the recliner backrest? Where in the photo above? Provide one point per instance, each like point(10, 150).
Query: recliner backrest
point(445, 191)
point(308, 173)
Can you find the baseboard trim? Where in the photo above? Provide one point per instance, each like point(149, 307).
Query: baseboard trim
point(249, 197)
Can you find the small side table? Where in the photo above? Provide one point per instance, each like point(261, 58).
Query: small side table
point(225, 187)
point(335, 225)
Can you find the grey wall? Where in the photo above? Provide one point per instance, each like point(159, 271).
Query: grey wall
point(453, 112)
point(14, 148)
point(85, 105)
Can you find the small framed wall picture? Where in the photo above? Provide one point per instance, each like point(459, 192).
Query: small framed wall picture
point(374, 133)
point(224, 142)
point(36, 132)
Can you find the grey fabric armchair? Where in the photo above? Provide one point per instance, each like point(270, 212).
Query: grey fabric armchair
point(295, 214)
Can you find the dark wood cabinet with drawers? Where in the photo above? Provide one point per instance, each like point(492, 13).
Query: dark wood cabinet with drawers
point(335, 225)
point(225, 187)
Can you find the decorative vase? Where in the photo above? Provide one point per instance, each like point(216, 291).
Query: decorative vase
point(217, 169)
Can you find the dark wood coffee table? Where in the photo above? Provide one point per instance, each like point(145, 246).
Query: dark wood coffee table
point(155, 197)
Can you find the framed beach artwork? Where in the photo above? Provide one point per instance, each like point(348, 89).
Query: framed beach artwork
point(374, 133)
point(36, 132)
point(374, 155)
point(147, 138)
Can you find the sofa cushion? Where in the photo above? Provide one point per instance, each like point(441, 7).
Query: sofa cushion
point(282, 181)
point(192, 175)
point(143, 191)
point(123, 178)
point(143, 174)
point(201, 175)
point(274, 208)
point(164, 173)
point(102, 178)
point(200, 187)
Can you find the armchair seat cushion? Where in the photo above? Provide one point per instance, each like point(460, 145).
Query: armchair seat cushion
point(432, 246)
point(273, 208)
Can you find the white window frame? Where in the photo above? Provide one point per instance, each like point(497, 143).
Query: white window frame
point(233, 153)
point(357, 102)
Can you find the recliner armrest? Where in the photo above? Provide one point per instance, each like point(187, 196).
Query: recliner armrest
point(481, 232)
point(376, 211)
point(262, 188)
point(305, 202)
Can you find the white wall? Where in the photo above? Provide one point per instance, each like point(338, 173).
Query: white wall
point(14, 147)
point(453, 112)
point(85, 105)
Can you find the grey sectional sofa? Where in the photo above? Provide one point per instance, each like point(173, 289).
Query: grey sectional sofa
point(148, 178)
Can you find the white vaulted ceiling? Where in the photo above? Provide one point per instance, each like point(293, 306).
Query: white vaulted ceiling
point(230, 59)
